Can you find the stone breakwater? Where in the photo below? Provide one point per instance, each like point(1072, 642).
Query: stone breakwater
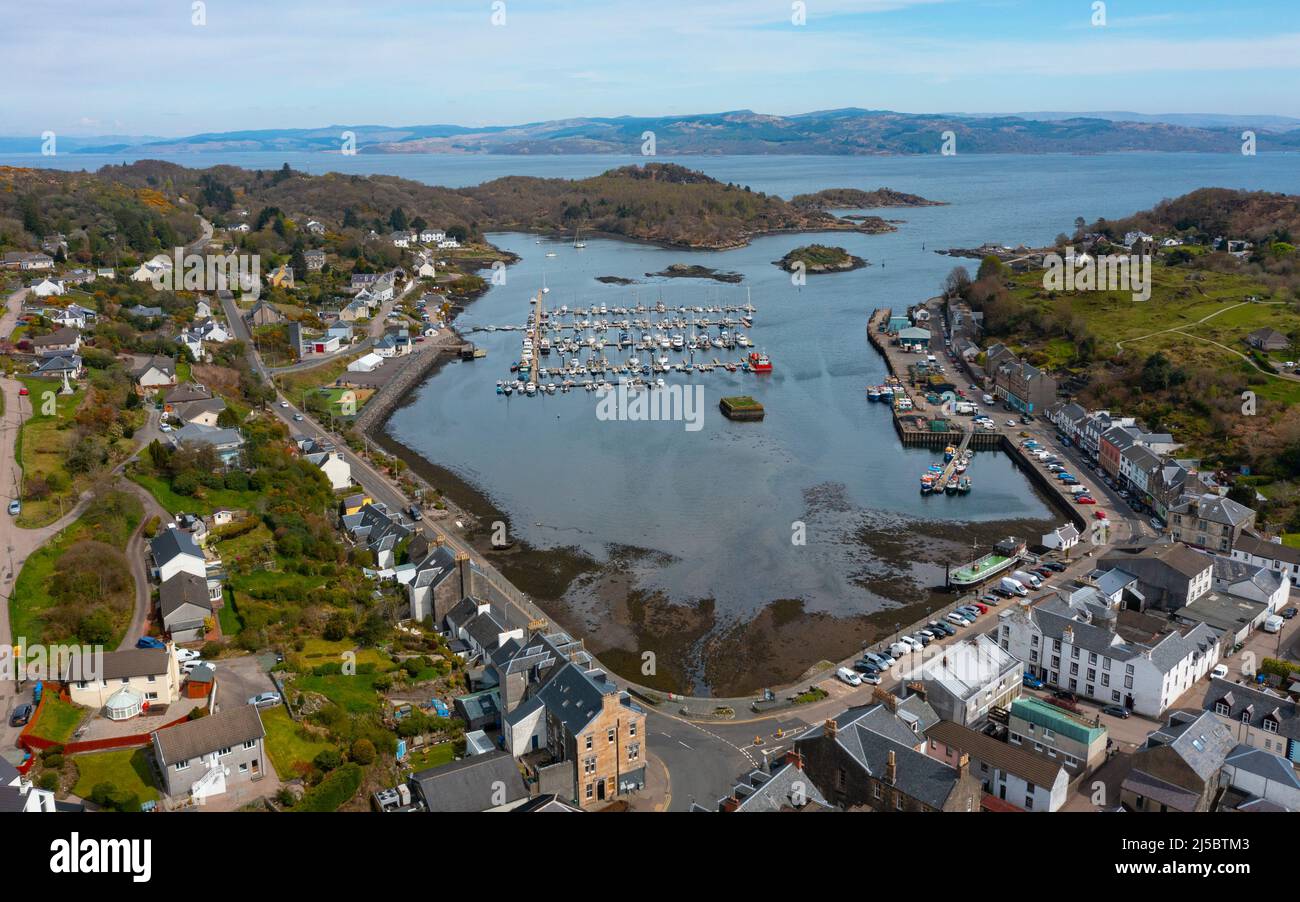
point(411, 371)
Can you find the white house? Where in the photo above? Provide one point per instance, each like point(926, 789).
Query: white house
point(965, 680)
point(175, 551)
point(1271, 554)
point(335, 467)
point(1062, 538)
point(46, 287)
point(1074, 645)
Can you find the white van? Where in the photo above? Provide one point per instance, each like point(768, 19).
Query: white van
point(1028, 579)
point(1273, 624)
point(1007, 584)
point(988, 399)
point(899, 650)
point(848, 676)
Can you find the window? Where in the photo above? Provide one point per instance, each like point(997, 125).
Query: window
point(243, 768)
point(1105, 663)
point(1029, 803)
point(588, 742)
point(1114, 695)
point(1128, 682)
point(875, 790)
point(631, 728)
point(633, 751)
point(182, 765)
point(1221, 707)
point(590, 791)
point(152, 696)
point(1269, 725)
point(1092, 657)
point(252, 743)
point(152, 678)
point(1245, 716)
point(1074, 652)
point(224, 752)
point(1092, 674)
point(1128, 668)
point(589, 765)
point(611, 735)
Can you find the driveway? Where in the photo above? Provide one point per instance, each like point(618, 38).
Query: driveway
point(239, 679)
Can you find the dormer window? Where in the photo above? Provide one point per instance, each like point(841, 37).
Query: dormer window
point(1222, 708)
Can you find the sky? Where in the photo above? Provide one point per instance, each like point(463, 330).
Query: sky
point(146, 67)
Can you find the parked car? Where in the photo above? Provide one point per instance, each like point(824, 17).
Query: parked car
point(848, 676)
point(1000, 592)
point(1054, 566)
point(871, 679)
point(1116, 711)
point(888, 658)
point(943, 628)
point(926, 635)
point(1099, 515)
point(957, 619)
point(20, 716)
point(1085, 499)
point(982, 608)
point(865, 666)
point(1043, 572)
point(990, 598)
point(1065, 695)
point(15, 507)
point(970, 612)
point(1289, 613)
point(23, 391)
point(265, 699)
point(150, 642)
point(186, 654)
point(166, 427)
point(188, 667)
point(899, 650)
point(1220, 672)
point(875, 660)
point(1029, 681)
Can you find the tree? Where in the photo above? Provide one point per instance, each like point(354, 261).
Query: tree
point(363, 752)
point(397, 220)
point(957, 283)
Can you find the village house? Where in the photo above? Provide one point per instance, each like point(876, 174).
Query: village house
point(1209, 521)
point(185, 607)
point(264, 314)
point(155, 373)
point(130, 679)
point(66, 340)
point(1010, 773)
point(1178, 767)
point(227, 444)
point(866, 758)
point(490, 782)
point(1057, 733)
point(372, 529)
point(1169, 575)
point(968, 679)
point(18, 795)
point(207, 757)
point(23, 260)
point(1251, 548)
point(46, 287)
point(281, 277)
point(1268, 340)
point(786, 788)
point(174, 551)
point(315, 260)
point(1257, 717)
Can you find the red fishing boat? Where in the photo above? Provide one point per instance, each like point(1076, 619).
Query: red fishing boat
point(759, 363)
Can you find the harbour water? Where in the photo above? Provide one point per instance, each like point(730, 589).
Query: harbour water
point(725, 507)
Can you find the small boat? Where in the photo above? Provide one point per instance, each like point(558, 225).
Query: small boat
point(550, 253)
point(950, 488)
point(760, 362)
point(963, 487)
point(531, 388)
point(508, 389)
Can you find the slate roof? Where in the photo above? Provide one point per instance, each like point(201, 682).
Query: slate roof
point(778, 791)
point(1034, 768)
point(1250, 543)
point(1216, 509)
point(468, 784)
point(180, 590)
point(1257, 703)
point(186, 392)
point(117, 665)
point(227, 728)
point(1268, 765)
point(574, 696)
point(1202, 742)
point(436, 566)
point(171, 542)
point(198, 408)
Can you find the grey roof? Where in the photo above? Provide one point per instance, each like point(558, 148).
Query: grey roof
point(195, 738)
point(202, 406)
point(1268, 765)
point(471, 783)
point(1216, 509)
point(788, 787)
point(574, 696)
point(59, 363)
point(539, 651)
point(485, 630)
point(171, 542)
point(436, 566)
point(163, 364)
point(916, 774)
point(185, 392)
point(207, 435)
point(1203, 742)
point(1175, 648)
point(965, 667)
point(130, 662)
point(1250, 543)
point(1115, 580)
point(1256, 704)
point(183, 589)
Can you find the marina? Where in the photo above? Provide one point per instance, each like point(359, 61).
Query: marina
point(564, 348)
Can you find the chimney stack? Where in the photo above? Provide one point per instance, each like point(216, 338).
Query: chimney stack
point(917, 688)
point(891, 769)
point(467, 586)
point(793, 756)
point(885, 697)
point(963, 765)
point(832, 728)
point(439, 540)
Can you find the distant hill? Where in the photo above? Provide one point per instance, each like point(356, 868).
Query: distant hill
point(848, 131)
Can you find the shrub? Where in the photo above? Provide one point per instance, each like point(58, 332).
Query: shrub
point(328, 759)
point(363, 752)
point(49, 781)
point(337, 788)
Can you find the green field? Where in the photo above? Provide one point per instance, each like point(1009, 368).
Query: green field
point(42, 448)
point(127, 770)
point(58, 719)
point(204, 501)
point(291, 748)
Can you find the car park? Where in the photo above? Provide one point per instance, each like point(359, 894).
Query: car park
point(848, 676)
point(1116, 711)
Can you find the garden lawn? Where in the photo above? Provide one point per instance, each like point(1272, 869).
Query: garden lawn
point(127, 769)
point(58, 719)
point(42, 449)
point(431, 756)
point(204, 501)
point(292, 749)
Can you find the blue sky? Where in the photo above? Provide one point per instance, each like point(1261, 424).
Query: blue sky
point(141, 67)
